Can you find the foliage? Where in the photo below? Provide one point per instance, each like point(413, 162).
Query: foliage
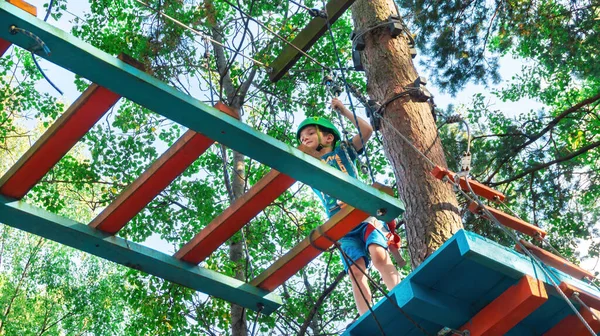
point(461, 39)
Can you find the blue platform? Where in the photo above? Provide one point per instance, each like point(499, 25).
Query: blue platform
point(463, 276)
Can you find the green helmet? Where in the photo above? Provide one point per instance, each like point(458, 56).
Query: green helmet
point(323, 124)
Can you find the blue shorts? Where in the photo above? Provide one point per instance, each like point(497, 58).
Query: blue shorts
point(356, 246)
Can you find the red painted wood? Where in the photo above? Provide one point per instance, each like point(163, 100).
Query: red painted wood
point(155, 179)
point(508, 309)
point(509, 221)
point(57, 141)
point(4, 45)
point(235, 217)
point(572, 325)
point(556, 261)
point(589, 299)
point(336, 227)
point(29, 8)
point(479, 189)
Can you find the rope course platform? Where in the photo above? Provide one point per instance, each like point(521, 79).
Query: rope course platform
point(115, 78)
point(471, 283)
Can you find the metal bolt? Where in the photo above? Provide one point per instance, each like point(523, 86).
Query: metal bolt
point(381, 212)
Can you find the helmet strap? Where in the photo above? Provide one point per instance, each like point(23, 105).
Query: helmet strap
point(321, 145)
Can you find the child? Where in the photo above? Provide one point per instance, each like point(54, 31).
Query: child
point(321, 135)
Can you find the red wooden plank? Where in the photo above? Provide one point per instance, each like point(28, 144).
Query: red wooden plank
point(508, 309)
point(235, 217)
point(509, 221)
point(556, 261)
point(479, 189)
point(4, 45)
point(572, 325)
point(57, 141)
point(336, 227)
point(155, 179)
point(591, 300)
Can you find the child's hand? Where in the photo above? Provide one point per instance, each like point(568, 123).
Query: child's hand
point(337, 104)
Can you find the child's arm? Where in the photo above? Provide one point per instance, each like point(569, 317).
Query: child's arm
point(365, 128)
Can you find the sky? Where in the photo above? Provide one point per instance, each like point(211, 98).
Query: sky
point(508, 67)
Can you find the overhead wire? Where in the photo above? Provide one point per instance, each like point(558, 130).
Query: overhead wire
point(199, 33)
point(340, 65)
point(275, 34)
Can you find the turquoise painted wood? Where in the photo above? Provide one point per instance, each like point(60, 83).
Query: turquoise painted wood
point(42, 223)
point(141, 88)
point(457, 281)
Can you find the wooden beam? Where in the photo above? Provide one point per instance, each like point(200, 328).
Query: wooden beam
point(66, 131)
point(263, 193)
point(336, 227)
point(479, 188)
point(572, 325)
point(555, 261)
point(64, 231)
point(509, 221)
point(4, 45)
point(306, 38)
point(508, 309)
point(591, 300)
point(155, 179)
point(141, 88)
point(70, 127)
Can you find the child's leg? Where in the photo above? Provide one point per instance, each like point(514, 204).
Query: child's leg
point(360, 286)
point(383, 263)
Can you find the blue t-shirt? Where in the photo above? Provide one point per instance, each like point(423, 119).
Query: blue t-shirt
point(338, 159)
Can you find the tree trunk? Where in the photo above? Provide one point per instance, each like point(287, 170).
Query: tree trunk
point(236, 248)
point(431, 207)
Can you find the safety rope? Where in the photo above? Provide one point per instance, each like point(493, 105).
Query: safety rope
point(374, 283)
point(344, 79)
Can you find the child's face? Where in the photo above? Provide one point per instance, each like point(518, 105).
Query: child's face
point(310, 138)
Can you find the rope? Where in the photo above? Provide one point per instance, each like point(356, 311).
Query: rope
point(260, 308)
point(40, 44)
point(343, 73)
point(408, 142)
point(200, 34)
point(376, 285)
point(578, 299)
point(275, 34)
point(491, 217)
point(539, 263)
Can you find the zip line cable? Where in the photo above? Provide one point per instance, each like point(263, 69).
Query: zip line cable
point(200, 34)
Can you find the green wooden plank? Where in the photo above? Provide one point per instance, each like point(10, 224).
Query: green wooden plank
point(141, 88)
point(306, 38)
point(65, 231)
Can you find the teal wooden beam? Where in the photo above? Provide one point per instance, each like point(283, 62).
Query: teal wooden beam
point(141, 88)
point(65, 231)
point(306, 39)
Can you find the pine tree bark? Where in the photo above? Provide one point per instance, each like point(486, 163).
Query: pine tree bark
point(431, 207)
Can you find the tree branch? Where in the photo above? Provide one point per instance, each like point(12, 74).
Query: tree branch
point(547, 164)
point(548, 127)
point(319, 301)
